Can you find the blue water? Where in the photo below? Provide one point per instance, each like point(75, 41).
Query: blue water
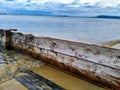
point(90, 30)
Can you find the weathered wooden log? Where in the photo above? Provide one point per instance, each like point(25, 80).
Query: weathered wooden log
point(97, 63)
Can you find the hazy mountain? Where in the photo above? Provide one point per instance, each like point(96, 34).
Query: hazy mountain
point(109, 17)
point(27, 12)
point(49, 13)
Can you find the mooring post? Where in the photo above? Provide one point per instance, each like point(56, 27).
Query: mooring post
point(5, 38)
point(9, 37)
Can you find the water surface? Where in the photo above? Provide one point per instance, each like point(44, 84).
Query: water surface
point(90, 30)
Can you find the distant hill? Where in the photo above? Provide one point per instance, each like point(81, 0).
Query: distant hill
point(109, 17)
point(48, 13)
point(27, 12)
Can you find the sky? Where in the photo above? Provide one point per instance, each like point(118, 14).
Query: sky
point(63, 7)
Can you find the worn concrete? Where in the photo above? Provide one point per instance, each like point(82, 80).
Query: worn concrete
point(97, 63)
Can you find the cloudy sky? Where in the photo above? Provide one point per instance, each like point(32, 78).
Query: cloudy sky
point(64, 7)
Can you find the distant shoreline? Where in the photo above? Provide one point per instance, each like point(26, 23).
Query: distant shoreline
point(99, 17)
point(107, 17)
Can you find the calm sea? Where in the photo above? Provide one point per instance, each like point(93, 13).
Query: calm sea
point(90, 30)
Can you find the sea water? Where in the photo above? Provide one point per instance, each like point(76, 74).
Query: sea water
point(91, 30)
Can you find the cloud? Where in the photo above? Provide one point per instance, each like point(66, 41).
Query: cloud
point(52, 1)
point(9, 0)
point(102, 3)
point(28, 1)
point(65, 7)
